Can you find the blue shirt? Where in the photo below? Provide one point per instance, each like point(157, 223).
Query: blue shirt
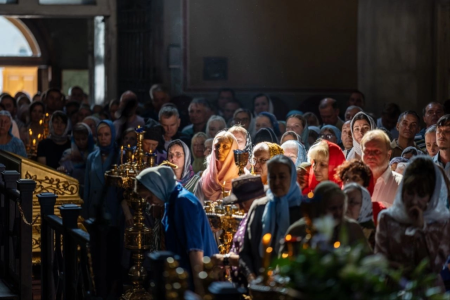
point(186, 227)
point(437, 160)
point(15, 146)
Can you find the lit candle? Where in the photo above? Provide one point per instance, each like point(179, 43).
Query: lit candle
point(46, 115)
point(34, 142)
point(40, 122)
point(121, 155)
point(223, 189)
point(266, 252)
point(39, 137)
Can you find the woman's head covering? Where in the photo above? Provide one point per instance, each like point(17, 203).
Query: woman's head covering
point(188, 172)
point(268, 99)
point(437, 206)
point(276, 212)
point(413, 150)
point(111, 146)
point(95, 119)
point(265, 135)
point(155, 133)
point(356, 146)
point(198, 164)
point(160, 181)
point(6, 113)
point(76, 154)
point(274, 149)
point(273, 120)
point(21, 110)
point(336, 131)
point(305, 136)
point(32, 105)
point(58, 138)
point(213, 179)
point(335, 159)
point(366, 213)
point(301, 152)
point(397, 160)
point(314, 128)
point(251, 127)
point(294, 112)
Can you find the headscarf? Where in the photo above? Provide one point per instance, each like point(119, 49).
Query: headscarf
point(336, 131)
point(212, 178)
point(336, 158)
point(413, 150)
point(75, 152)
point(273, 120)
point(268, 99)
point(314, 128)
point(21, 110)
point(161, 181)
point(188, 172)
point(397, 160)
point(437, 206)
point(356, 146)
point(6, 113)
point(198, 164)
point(265, 135)
point(155, 133)
point(276, 212)
point(95, 119)
point(301, 152)
point(366, 212)
point(305, 136)
point(274, 149)
point(111, 146)
point(294, 112)
point(58, 138)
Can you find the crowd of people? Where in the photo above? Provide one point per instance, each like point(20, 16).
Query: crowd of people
point(385, 181)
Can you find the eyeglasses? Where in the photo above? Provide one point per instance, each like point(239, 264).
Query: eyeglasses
point(176, 154)
point(326, 136)
point(261, 161)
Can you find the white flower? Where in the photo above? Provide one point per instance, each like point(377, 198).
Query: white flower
point(324, 226)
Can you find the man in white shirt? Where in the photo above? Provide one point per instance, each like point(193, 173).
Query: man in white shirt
point(376, 154)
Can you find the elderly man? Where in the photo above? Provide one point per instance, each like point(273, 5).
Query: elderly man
point(408, 127)
point(431, 114)
point(329, 112)
point(357, 98)
point(169, 118)
point(351, 111)
point(376, 154)
point(430, 141)
point(199, 113)
point(346, 137)
point(126, 116)
point(442, 158)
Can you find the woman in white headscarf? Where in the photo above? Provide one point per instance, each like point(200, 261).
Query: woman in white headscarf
point(361, 123)
point(359, 208)
point(417, 226)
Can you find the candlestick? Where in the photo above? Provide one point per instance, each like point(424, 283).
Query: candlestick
point(121, 155)
point(266, 254)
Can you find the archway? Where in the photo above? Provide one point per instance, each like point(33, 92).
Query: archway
point(17, 42)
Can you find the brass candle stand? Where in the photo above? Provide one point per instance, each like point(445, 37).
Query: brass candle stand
point(241, 160)
point(138, 237)
point(224, 219)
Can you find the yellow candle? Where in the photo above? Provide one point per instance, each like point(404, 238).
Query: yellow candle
point(121, 155)
point(34, 142)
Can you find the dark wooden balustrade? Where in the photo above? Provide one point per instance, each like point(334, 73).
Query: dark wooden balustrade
point(66, 271)
point(15, 235)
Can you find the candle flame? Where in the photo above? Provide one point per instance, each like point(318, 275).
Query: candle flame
point(121, 148)
point(224, 183)
point(288, 238)
point(284, 255)
point(269, 250)
point(129, 146)
point(34, 142)
point(266, 238)
point(46, 114)
point(31, 132)
point(40, 122)
point(39, 136)
point(337, 244)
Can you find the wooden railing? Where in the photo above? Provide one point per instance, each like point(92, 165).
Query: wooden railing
point(16, 205)
point(66, 271)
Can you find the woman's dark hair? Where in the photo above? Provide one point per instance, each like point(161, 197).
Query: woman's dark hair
point(36, 103)
point(354, 166)
point(419, 176)
point(299, 117)
point(360, 117)
point(175, 142)
point(60, 115)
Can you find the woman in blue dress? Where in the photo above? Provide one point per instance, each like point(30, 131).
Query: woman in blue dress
point(7, 141)
point(186, 227)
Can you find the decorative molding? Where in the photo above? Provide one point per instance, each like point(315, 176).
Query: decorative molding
point(53, 185)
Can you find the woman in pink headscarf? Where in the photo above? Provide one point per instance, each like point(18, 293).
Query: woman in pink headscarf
point(221, 168)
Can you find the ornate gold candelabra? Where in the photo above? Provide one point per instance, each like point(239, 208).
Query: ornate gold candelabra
point(138, 237)
point(241, 160)
point(224, 218)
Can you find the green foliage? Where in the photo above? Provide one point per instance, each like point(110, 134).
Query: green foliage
point(348, 273)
